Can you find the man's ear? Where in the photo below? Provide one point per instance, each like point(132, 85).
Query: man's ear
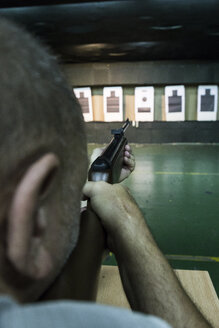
point(27, 222)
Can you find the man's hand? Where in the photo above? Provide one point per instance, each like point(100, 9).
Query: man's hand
point(117, 210)
point(128, 161)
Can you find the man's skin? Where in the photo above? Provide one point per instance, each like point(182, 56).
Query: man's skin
point(149, 282)
point(43, 171)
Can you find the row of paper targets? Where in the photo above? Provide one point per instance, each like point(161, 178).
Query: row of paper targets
point(144, 103)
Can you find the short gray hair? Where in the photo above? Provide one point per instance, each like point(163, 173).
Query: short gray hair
point(38, 110)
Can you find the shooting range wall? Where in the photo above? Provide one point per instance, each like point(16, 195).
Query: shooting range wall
point(157, 132)
point(128, 44)
point(159, 103)
point(157, 74)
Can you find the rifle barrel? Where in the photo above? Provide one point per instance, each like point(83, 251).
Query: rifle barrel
point(125, 126)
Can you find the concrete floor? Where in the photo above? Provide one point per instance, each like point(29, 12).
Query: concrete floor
point(177, 189)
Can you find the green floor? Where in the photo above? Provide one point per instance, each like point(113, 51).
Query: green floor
point(177, 189)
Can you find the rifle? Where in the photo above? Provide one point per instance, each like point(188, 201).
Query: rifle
point(79, 278)
point(107, 167)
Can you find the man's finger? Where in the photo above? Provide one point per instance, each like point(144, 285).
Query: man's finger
point(127, 153)
point(88, 189)
point(132, 157)
point(128, 148)
point(130, 162)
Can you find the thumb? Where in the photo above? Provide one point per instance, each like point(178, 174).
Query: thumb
point(88, 189)
point(92, 189)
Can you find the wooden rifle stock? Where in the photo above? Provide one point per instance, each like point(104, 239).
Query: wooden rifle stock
point(79, 278)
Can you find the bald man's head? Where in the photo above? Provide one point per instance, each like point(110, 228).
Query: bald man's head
point(42, 159)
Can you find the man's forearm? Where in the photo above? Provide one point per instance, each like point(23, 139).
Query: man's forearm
point(149, 282)
point(151, 285)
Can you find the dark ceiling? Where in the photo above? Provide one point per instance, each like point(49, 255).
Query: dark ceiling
point(90, 31)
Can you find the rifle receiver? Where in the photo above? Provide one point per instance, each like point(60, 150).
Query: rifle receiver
point(107, 167)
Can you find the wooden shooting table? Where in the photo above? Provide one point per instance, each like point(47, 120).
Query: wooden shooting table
point(197, 284)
